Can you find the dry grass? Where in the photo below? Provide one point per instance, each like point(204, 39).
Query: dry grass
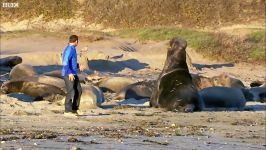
point(142, 13)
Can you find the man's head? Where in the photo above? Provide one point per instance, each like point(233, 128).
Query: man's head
point(73, 39)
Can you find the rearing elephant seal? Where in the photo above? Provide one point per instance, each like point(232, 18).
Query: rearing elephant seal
point(174, 89)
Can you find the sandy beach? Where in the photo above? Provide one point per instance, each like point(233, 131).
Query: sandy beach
point(28, 124)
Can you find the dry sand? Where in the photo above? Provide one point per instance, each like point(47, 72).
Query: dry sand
point(41, 125)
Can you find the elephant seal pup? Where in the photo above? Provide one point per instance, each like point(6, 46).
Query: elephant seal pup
point(39, 90)
point(115, 84)
point(10, 61)
point(174, 89)
point(225, 80)
point(223, 97)
point(139, 90)
point(22, 70)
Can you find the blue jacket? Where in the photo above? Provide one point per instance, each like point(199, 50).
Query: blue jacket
point(70, 64)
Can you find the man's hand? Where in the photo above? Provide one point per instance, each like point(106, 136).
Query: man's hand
point(71, 77)
point(81, 67)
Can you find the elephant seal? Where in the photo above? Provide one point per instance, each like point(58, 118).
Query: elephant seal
point(225, 80)
point(174, 89)
point(55, 73)
point(139, 90)
point(45, 80)
point(39, 90)
point(201, 82)
point(91, 98)
point(22, 70)
point(58, 74)
point(257, 94)
point(10, 61)
point(223, 97)
point(115, 84)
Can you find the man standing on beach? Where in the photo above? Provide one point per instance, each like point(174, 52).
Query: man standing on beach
point(69, 73)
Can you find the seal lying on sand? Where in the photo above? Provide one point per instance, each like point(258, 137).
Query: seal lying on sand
point(22, 70)
point(91, 97)
point(39, 90)
point(225, 80)
point(45, 80)
point(115, 84)
point(139, 90)
point(174, 89)
point(10, 61)
point(201, 82)
point(58, 74)
point(257, 94)
point(222, 97)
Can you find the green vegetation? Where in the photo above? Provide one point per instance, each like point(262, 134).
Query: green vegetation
point(256, 36)
point(213, 45)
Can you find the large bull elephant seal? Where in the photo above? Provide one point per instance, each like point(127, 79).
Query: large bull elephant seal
point(139, 90)
point(223, 97)
point(22, 70)
point(10, 61)
point(115, 84)
point(39, 90)
point(174, 89)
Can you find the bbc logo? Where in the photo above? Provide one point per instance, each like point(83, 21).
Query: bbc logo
point(9, 5)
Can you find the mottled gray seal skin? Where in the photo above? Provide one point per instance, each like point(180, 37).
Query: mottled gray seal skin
point(223, 97)
point(174, 89)
point(10, 61)
point(22, 70)
point(139, 90)
point(39, 90)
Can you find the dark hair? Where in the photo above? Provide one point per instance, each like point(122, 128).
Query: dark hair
point(73, 38)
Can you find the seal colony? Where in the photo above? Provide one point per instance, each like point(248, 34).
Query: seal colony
point(176, 89)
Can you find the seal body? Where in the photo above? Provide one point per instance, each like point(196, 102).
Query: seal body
point(174, 89)
point(39, 90)
point(22, 70)
point(225, 80)
point(139, 90)
point(223, 97)
point(10, 61)
point(115, 84)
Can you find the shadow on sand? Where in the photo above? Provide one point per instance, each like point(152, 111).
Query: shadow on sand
point(48, 68)
point(22, 97)
point(116, 66)
point(214, 66)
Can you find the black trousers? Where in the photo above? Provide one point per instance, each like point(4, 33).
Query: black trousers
point(74, 92)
